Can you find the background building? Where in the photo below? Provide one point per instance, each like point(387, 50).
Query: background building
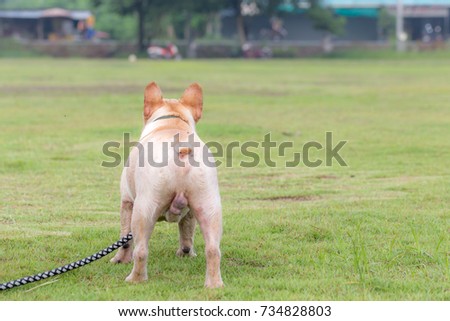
point(365, 21)
point(48, 24)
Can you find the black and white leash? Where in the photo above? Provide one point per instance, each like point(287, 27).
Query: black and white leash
point(66, 268)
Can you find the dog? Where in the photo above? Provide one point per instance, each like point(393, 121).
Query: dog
point(185, 190)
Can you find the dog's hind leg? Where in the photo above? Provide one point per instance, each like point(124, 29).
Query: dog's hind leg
point(142, 224)
point(187, 229)
point(124, 254)
point(209, 217)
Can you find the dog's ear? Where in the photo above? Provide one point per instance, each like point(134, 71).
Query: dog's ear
point(153, 99)
point(193, 99)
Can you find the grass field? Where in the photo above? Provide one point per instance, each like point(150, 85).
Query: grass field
point(374, 230)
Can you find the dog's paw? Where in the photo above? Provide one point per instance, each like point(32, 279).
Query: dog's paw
point(185, 251)
point(122, 258)
point(133, 278)
point(214, 284)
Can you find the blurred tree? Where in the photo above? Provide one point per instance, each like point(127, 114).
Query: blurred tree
point(237, 4)
point(119, 27)
point(325, 19)
point(262, 6)
point(386, 24)
point(139, 8)
point(196, 15)
point(158, 14)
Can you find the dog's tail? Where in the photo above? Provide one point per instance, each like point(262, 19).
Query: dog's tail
point(183, 151)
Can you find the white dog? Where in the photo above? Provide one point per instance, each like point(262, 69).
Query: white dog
point(182, 190)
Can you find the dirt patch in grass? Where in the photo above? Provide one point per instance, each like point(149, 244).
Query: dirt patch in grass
point(292, 198)
point(327, 177)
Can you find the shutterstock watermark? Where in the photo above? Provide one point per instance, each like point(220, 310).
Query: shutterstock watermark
point(249, 153)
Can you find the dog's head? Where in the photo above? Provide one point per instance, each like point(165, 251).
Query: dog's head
point(189, 107)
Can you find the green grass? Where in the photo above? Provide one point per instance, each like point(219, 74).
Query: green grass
point(375, 230)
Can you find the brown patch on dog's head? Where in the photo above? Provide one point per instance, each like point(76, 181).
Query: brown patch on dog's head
point(153, 100)
point(193, 99)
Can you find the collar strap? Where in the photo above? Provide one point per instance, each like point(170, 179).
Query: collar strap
point(168, 117)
